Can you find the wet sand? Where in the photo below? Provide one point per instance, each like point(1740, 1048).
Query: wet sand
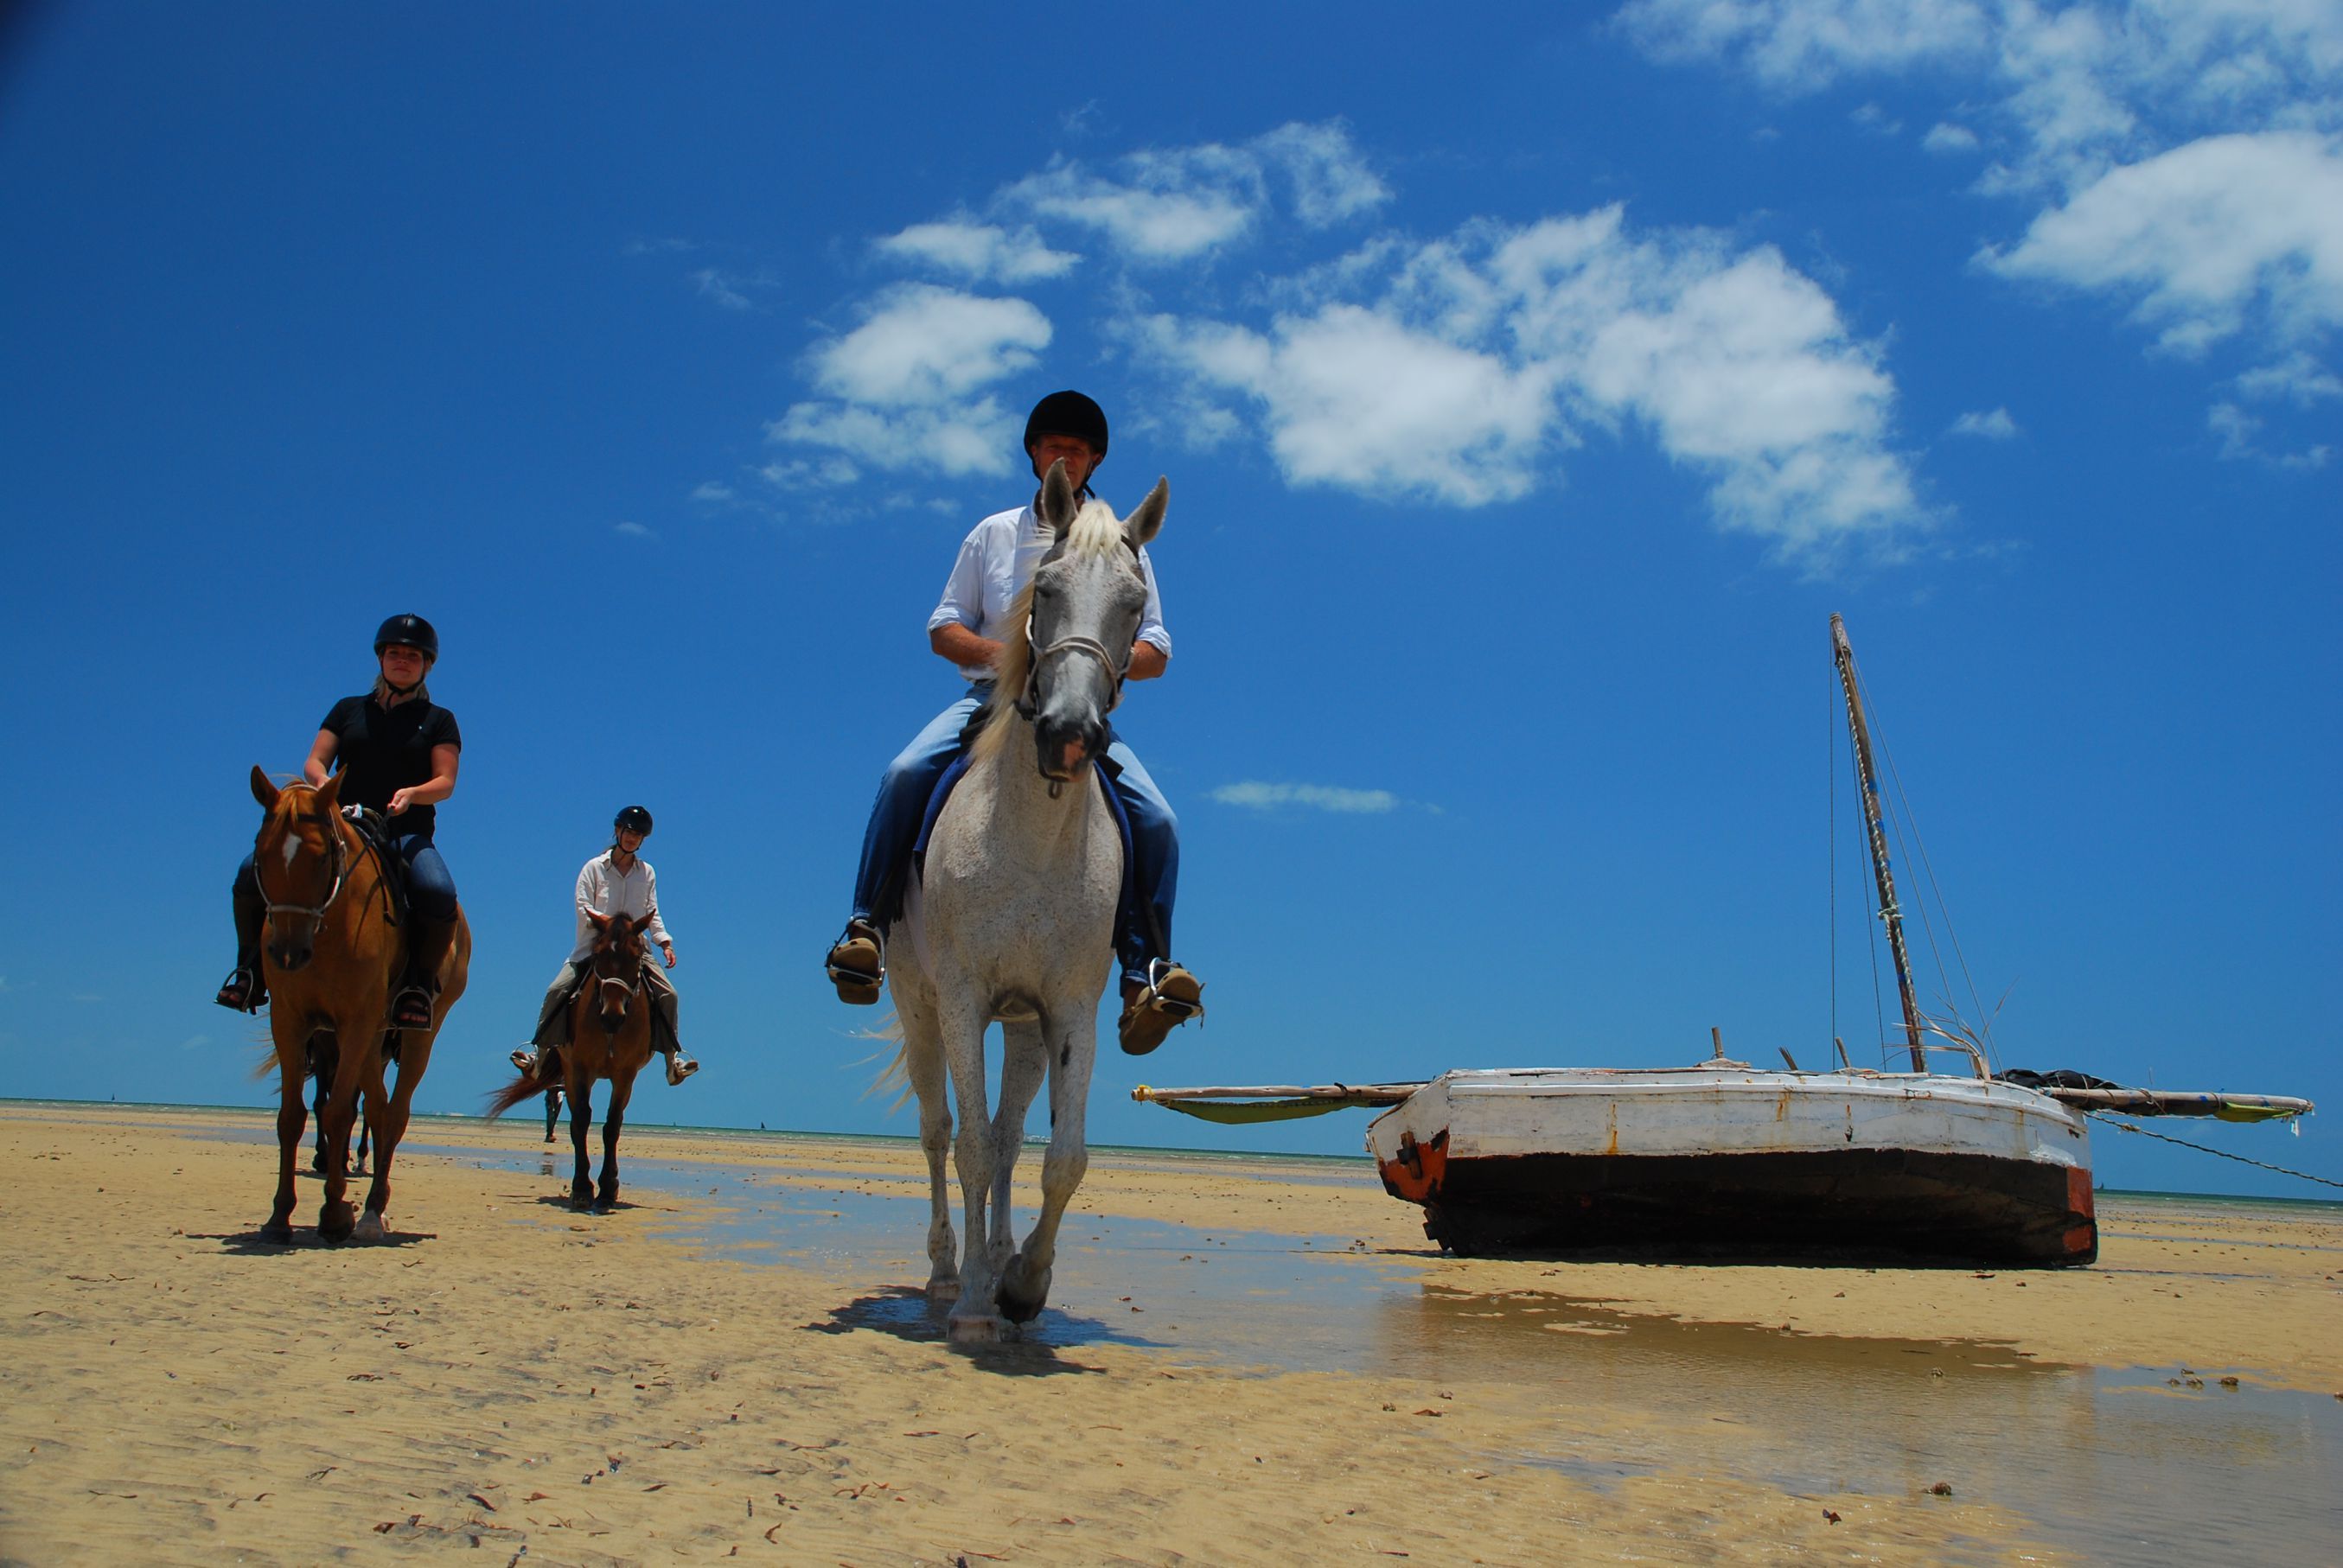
point(1244, 1361)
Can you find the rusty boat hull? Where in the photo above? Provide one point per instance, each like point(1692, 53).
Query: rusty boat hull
point(1727, 1159)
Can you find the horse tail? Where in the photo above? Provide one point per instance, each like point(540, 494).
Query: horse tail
point(895, 1077)
point(528, 1086)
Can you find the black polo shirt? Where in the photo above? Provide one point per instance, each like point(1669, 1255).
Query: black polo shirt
point(380, 750)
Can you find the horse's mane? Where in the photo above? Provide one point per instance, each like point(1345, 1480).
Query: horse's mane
point(1094, 531)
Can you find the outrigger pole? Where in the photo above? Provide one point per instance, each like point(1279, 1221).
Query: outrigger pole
point(1844, 656)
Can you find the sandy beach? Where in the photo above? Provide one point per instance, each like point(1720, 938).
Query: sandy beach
point(689, 1378)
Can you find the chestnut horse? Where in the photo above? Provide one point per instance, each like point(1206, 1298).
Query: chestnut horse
point(331, 956)
point(611, 999)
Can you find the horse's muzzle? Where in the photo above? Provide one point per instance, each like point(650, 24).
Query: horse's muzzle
point(1064, 749)
point(291, 955)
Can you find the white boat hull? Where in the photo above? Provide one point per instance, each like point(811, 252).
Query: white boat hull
point(1729, 1157)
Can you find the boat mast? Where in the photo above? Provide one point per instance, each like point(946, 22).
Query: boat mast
point(1844, 656)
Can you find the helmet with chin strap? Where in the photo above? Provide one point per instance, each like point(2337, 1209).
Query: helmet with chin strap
point(1067, 412)
point(633, 819)
point(409, 630)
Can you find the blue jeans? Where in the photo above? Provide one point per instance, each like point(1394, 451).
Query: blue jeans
point(430, 890)
point(902, 805)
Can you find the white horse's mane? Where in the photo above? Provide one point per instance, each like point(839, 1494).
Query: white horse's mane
point(1094, 531)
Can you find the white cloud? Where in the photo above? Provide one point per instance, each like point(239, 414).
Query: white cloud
point(635, 531)
point(984, 252)
point(2297, 379)
point(1261, 797)
point(2239, 432)
point(1170, 208)
point(2183, 155)
point(1330, 181)
point(1804, 46)
point(714, 285)
point(922, 344)
point(1994, 426)
point(1458, 367)
point(1355, 399)
point(1166, 205)
point(955, 439)
point(712, 490)
point(907, 389)
point(2204, 238)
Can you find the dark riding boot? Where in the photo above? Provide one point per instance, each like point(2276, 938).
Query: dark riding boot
point(244, 989)
point(427, 943)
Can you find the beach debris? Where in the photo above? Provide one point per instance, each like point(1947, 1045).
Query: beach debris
point(2228, 1382)
point(1828, 1517)
point(1942, 1488)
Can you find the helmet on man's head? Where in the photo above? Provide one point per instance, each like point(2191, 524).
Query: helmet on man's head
point(633, 819)
point(1068, 413)
point(412, 631)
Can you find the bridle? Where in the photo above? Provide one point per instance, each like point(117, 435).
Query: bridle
point(631, 988)
point(1029, 702)
point(315, 912)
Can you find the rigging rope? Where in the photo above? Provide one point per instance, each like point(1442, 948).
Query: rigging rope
point(2201, 1148)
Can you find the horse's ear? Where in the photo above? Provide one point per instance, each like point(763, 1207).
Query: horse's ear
point(601, 922)
point(1057, 507)
point(1147, 519)
point(329, 793)
point(263, 790)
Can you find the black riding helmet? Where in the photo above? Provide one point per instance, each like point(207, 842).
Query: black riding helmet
point(633, 819)
point(411, 629)
point(1067, 412)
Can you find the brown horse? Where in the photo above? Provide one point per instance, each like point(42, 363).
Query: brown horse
point(611, 999)
point(331, 956)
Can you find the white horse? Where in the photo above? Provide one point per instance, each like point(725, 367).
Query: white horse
point(1013, 917)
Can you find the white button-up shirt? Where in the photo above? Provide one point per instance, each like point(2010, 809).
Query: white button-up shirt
point(604, 889)
point(996, 561)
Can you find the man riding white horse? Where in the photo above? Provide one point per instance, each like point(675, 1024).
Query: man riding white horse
point(996, 561)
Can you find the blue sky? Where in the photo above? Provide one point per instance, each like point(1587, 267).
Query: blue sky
point(1532, 386)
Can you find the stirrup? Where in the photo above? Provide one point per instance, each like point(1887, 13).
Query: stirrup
point(242, 990)
point(1171, 997)
point(854, 966)
point(406, 1016)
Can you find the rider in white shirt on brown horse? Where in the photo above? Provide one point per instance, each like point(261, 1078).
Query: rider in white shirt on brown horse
point(619, 881)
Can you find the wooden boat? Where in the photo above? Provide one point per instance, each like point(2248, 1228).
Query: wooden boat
point(1723, 1156)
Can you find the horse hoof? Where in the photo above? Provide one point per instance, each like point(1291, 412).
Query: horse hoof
point(370, 1228)
point(973, 1329)
point(1019, 1308)
point(335, 1224)
point(944, 1288)
point(278, 1231)
point(582, 1201)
